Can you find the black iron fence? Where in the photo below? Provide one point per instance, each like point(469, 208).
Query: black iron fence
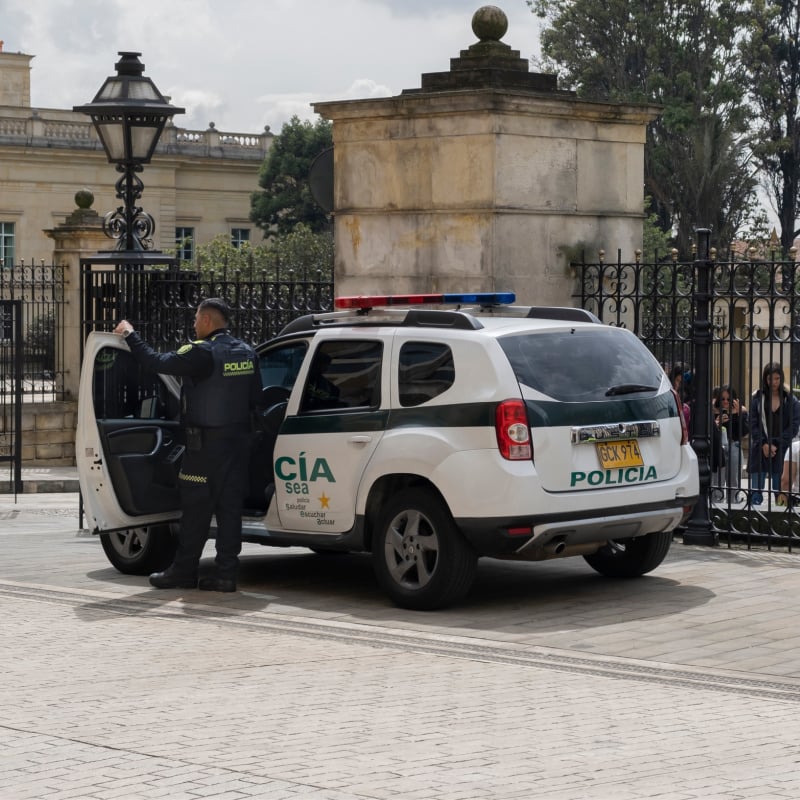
point(39, 288)
point(754, 316)
point(11, 354)
point(160, 301)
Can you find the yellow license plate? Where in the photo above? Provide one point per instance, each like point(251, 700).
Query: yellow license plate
point(624, 453)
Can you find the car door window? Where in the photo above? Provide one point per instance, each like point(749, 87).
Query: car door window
point(280, 365)
point(343, 375)
point(122, 389)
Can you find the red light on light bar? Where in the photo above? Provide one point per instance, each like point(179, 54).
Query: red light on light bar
point(376, 300)
point(371, 301)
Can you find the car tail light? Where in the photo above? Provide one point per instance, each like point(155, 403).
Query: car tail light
point(684, 428)
point(513, 433)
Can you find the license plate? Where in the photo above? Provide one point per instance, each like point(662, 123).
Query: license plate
point(624, 453)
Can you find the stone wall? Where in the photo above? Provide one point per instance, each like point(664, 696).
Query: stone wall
point(48, 432)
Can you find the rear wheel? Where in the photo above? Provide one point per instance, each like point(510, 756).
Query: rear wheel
point(140, 551)
point(630, 558)
point(421, 560)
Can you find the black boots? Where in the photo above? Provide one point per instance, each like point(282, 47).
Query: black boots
point(169, 579)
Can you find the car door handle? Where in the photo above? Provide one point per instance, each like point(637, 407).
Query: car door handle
point(360, 439)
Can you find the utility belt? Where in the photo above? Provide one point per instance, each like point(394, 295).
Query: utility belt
point(196, 437)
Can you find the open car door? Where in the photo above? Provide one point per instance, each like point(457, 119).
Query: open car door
point(128, 446)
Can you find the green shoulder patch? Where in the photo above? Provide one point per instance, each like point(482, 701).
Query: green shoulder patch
point(185, 349)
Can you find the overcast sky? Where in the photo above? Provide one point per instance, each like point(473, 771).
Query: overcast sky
point(244, 64)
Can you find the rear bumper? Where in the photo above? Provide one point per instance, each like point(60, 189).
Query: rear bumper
point(522, 536)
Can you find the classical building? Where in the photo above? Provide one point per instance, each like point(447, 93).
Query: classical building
point(197, 186)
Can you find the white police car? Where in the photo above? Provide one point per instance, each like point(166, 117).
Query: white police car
point(426, 436)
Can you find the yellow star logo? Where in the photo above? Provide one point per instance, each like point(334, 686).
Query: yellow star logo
point(324, 501)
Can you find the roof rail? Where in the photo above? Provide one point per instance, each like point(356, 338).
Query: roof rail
point(564, 313)
point(304, 323)
point(462, 319)
point(425, 318)
point(406, 317)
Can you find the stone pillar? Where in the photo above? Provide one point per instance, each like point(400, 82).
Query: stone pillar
point(15, 79)
point(80, 235)
point(486, 178)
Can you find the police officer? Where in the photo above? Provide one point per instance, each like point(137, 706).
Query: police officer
point(221, 387)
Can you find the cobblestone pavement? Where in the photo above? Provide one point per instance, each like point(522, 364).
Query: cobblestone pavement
point(548, 682)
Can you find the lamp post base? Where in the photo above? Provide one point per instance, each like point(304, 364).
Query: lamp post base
point(705, 538)
point(699, 529)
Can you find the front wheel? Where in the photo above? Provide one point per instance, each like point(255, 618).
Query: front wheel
point(140, 551)
point(420, 558)
point(630, 558)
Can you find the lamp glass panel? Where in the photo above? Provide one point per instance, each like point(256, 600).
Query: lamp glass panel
point(110, 90)
point(143, 90)
point(112, 134)
point(144, 138)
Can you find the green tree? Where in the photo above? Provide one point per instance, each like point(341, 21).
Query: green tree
point(286, 198)
point(683, 56)
point(771, 53)
point(656, 243)
point(304, 252)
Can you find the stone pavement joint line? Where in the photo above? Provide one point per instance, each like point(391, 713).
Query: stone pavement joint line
point(421, 642)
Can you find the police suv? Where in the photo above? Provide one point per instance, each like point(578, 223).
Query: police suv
point(426, 435)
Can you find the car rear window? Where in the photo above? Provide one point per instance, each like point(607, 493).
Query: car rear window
point(426, 370)
point(581, 364)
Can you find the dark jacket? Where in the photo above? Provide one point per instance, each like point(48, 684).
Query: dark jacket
point(789, 416)
point(221, 381)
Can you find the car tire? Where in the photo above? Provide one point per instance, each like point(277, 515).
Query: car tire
point(420, 558)
point(630, 558)
point(140, 551)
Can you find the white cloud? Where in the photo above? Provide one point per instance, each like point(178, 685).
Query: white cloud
point(365, 88)
point(242, 64)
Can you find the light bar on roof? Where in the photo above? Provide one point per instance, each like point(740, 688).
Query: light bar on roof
point(448, 298)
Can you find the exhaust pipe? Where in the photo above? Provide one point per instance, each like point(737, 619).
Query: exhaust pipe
point(555, 547)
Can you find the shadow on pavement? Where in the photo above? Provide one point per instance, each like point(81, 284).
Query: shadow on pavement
point(535, 597)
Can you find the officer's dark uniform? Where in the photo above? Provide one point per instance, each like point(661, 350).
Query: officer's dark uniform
point(221, 387)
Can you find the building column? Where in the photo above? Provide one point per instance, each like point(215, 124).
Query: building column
point(80, 235)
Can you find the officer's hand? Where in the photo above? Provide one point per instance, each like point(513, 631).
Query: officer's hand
point(123, 327)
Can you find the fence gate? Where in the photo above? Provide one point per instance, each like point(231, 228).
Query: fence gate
point(11, 388)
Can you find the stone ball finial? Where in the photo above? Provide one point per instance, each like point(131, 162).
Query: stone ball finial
point(489, 23)
point(84, 198)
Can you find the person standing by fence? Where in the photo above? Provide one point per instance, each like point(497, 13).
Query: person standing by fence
point(734, 421)
point(774, 422)
point(676, 376)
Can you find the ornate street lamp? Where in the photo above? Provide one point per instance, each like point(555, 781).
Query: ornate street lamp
point(129, 114)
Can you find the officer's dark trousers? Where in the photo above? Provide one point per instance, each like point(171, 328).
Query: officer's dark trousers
point(213, 481)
